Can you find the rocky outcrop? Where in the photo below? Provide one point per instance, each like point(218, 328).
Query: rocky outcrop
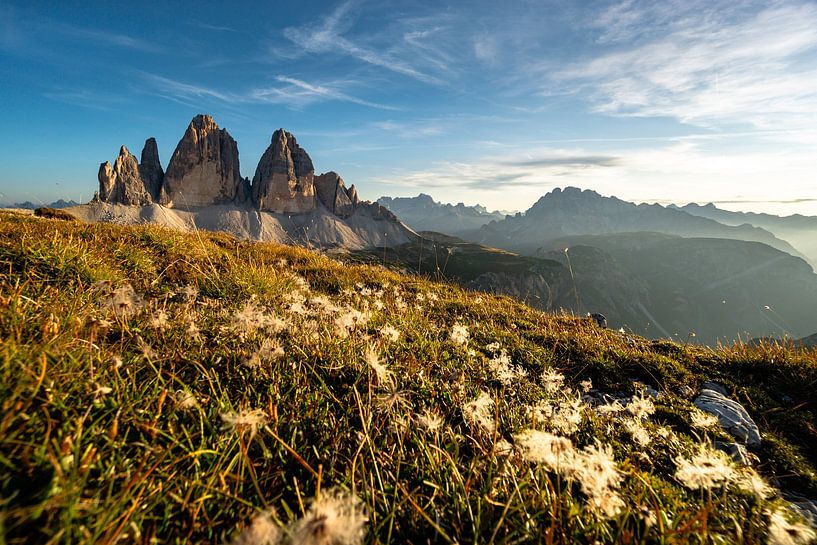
point(731, 414)
point(122, 183)
point(284, 178)
point(204, 169)
point(333, 195)
point(150, 169)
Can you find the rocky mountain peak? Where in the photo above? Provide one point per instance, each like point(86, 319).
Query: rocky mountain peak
point(122, 183)
point(284, 178)
point(204, 168)
point(150, 169)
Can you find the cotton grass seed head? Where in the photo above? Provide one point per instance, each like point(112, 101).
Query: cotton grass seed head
point(245, 420)
point(336, 518)
point(459, 334)
point(783, 532)
point(479, 413)
point(706, 469)
point(262, 530)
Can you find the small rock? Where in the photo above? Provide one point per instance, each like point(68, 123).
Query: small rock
point(731, 414)
point(736, 451)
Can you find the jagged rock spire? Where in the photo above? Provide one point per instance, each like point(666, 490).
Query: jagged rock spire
point(204, 169)
point(284, 178)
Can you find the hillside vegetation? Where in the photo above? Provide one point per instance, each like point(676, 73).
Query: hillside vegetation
point(170, 387)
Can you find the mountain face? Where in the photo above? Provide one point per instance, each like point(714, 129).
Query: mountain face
point(122, 182)
point(203, 188)
point(284, 178)
point(423, 213)
point(204, 169)
point(800, 231)
point(718, 289)
point(575, 212)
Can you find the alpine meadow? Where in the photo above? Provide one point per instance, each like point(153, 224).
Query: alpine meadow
point(546, 274)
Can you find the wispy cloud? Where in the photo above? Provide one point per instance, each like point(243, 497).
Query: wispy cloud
point(328, 37)
point(304, 92)
point(217, 28)
point(497, 174)
point(108, 38)
point(292, 92)
point(711, 66)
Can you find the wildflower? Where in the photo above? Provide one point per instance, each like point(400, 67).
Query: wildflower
point(552, 381)
point(262, 530)
point(783, 532)
point(586, 385)
point(503, 448)
point(640, 407)
point(567, 416)
point(430, 421)
point(503, 370)
point(347, 322)
point(389, 333)
point(391, 400)
point(270, 350)
point(493, 347)
point(544, 448)
point(324, 305)
point(540, 412)
point(479, 413)
point(702, 420)
point(749, 481)
point(192, 330)
point(459, 334)
point(158, 320)
point(245, 420)
point(147, 351)
point(275, 324)
point(610, 408)
point(598, 477)
point(188, 293)
point(707, 469)
point(247, 320)
point(399, 303)
point(637, 431)
point(334, 519)
point(253, 361)
point(185, 400)
point(124, 301)
point(382, 373)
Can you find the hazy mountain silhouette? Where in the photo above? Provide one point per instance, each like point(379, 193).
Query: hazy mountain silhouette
point(424, 213)
point(800, 231)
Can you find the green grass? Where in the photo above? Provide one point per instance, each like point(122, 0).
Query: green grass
point(96, 445)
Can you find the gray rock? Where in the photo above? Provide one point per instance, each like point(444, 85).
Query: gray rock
point(737, 452)
point(150, 169)
point(731, 414)
point(284, 178)
point(122, 183)
point(204, 169)
point(333, 195)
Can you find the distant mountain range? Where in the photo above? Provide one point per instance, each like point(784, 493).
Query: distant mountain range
point(657, 271)
point(575, 212)
point(800, 231)
point(28, 205)
point(424, 213)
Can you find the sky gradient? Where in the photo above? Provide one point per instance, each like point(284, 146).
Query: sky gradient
point(475, 102)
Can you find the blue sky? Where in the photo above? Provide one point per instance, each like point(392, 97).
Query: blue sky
point(479, 102)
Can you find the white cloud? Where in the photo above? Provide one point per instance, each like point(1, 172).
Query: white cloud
point(711, 68)
point(292, 92)
point(432, 48)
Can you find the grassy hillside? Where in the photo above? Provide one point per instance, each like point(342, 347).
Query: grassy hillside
point(191, 388)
